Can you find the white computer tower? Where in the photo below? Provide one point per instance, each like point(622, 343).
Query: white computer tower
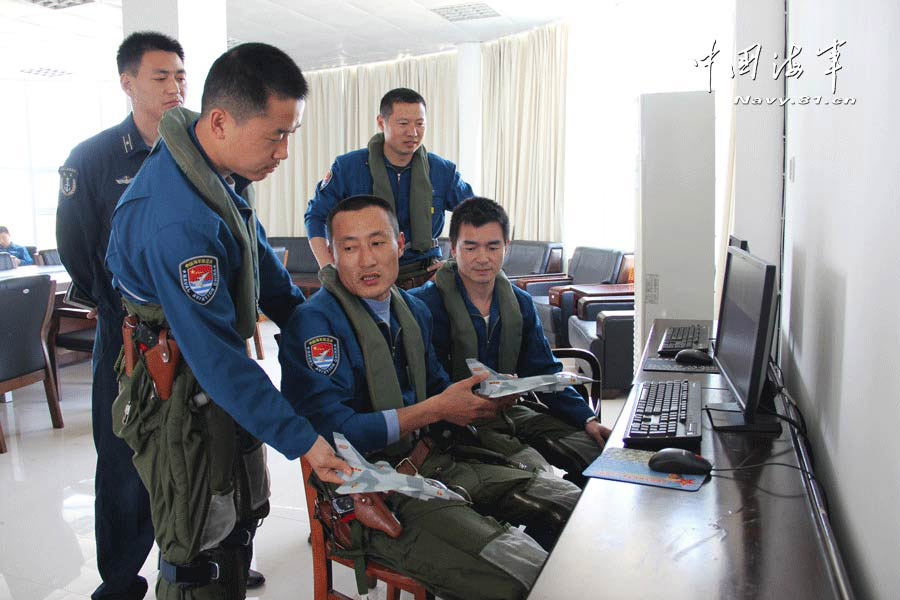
point(674, 242)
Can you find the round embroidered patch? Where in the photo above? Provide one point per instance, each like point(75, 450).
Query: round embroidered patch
point(200, 278)
point(323, 354)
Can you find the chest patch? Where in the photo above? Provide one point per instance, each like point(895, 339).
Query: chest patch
point(68, 181)
point(323, 354)
point(200, 278)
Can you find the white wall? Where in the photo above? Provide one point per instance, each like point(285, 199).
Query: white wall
point(841, 339)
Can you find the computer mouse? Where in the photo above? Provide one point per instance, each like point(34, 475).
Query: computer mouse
point(677, 460)
point(692, 356)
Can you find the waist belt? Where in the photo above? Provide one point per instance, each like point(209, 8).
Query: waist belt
point(412, 463)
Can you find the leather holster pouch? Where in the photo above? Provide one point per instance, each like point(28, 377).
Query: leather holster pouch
point(128, 325)
point(162, 363)
point(373, 512)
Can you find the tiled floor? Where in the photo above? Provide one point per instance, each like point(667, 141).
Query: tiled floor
point(47, 549)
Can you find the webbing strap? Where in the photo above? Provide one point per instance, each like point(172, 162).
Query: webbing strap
point(198, 573)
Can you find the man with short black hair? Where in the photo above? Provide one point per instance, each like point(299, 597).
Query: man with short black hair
point(357, 359)
point(193, 267)
point(478, 314)
point(395, 166)
point(18, 253)
point(152, 75)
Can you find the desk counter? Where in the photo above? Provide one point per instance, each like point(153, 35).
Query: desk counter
point(754, 533)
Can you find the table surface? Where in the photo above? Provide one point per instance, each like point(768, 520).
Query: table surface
point(57, 273)
point(744, 534)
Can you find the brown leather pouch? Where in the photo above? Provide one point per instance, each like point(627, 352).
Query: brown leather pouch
point(339, 529)
point(128, 325)
point(162, 363)
point(372, 511)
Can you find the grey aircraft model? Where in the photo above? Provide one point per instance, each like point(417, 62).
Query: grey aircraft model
point(498, 385)
point(381, 477)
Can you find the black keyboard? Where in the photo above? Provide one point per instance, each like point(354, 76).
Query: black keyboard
point(666, 414)
point(676, 339)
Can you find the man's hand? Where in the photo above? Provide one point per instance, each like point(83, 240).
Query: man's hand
point(15, 260)
point(598, 432)
point(458, 405)
point(435, 265)
point(325, 463)
point(92, 314)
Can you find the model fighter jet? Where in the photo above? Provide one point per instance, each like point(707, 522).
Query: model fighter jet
point(381, 477)
point(498, 385)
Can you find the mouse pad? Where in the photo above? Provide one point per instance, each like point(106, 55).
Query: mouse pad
point(630, 465)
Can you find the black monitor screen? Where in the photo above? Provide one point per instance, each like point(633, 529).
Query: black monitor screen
point(746, 323)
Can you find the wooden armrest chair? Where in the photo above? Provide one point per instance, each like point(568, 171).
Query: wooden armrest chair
point(323, 584)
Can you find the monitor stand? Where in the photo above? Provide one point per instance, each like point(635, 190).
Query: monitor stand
point(729, 416)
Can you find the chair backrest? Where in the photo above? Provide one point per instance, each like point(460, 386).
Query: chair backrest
point(6, 261)
point(300, 258)
point(281, 253)
point(24, 322)
point(595, 265)
point(50, 257)
point(527, 257)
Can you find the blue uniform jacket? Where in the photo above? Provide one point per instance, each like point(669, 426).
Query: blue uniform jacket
point(349, 176)
point(19, 252)
point(91, 181)
point(160, 224)
point(332, 392)
point(535, 357)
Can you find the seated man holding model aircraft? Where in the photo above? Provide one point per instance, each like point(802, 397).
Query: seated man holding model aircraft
point(357, 361)
point(478, 314)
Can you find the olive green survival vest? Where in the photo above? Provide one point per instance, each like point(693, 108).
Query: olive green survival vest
point(420, 193)
point(173, 129)
point(381, 376)
point(464, 340)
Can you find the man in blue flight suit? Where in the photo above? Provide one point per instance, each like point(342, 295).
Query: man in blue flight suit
point(357, 359)
point(19, 253)
point(478, 314)
point(152, 75)
point(395, 166)
point(193, 266)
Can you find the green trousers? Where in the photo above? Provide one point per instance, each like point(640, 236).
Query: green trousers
point(469, 551)
point(536, 438)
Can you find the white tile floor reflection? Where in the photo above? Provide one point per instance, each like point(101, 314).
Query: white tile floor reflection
point(47, 549)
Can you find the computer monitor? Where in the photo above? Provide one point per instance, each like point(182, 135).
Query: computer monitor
point(737, 242)
point(746, 328)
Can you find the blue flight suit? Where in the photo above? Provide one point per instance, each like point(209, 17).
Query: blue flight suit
point(339, 401)
point(349, 175)
point(19, 252)
point(161, 223)
point(91, 181)
point(535, 356)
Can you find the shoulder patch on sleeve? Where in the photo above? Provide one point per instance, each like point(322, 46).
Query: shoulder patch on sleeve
point(68, 180)
point(325, 180)
point(200, 278)
point(323, 354)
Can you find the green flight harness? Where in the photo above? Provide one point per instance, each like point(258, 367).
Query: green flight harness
point(206, 477)
point(421, 208)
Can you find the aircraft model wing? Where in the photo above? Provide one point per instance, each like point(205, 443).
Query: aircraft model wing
point(381, 477)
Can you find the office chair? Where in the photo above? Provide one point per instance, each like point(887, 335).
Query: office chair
point(24, 327)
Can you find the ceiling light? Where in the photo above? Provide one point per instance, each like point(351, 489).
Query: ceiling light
point(57, 4)
point(466, 12)
point(45, 72)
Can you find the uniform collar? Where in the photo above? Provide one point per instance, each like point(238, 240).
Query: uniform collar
point(130, 137)
point(495, 305)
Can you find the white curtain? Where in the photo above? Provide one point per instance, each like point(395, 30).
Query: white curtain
point(340, 116)
point(524, 114)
